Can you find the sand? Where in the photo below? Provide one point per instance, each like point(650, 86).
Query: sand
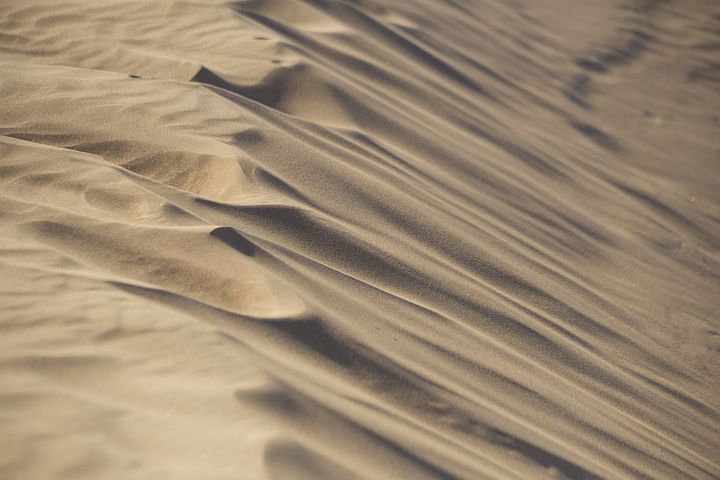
point(360, 239)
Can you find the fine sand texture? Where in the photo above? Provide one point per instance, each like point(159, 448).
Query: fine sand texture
point(360, 239)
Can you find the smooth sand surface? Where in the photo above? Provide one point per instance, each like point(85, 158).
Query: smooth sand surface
point(360, 239)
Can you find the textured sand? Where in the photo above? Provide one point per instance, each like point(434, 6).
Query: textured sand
point(323, 239)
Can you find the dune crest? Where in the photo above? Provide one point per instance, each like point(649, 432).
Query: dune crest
point(307, 239)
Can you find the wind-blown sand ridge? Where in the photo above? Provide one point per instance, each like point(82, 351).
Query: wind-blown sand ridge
point(357, 239)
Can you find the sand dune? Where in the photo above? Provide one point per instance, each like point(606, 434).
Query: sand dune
point(325, 239)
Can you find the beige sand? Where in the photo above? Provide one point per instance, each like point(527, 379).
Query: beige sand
point(324, 239)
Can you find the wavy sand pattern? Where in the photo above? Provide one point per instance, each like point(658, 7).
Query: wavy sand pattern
point(324, 239)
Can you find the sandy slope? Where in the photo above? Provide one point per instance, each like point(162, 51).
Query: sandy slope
point(360, 239)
